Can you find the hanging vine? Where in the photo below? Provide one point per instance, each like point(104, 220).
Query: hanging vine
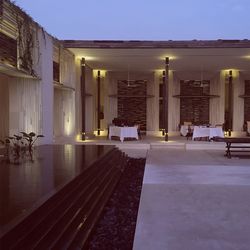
point(27, 38)
point(25, 45)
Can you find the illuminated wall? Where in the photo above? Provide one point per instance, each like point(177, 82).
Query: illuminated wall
point(4, 106)
point(24, 106)
point(63, 112)
point(64, 96)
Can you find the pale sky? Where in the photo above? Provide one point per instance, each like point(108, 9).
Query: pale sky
point(141, 19)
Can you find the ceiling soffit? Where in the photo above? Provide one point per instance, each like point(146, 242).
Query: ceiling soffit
point(181, 59)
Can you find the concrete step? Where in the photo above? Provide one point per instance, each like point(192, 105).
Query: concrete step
point(122, 146)
point(166, 145)
point(206, 146)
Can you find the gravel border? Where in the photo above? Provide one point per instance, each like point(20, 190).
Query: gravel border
point(116, 227)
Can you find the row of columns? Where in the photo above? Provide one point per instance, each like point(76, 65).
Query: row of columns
point(165, 78)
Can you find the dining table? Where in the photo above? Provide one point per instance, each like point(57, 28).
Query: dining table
point(184, 129)
point(209, 132)
point(248, 127)
point(123, 132)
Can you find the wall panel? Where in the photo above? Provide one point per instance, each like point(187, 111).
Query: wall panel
point(173, 103)
point(217, 105)
point(4, 106)
point(25, 105)
point(133, 108)
point(238, 103)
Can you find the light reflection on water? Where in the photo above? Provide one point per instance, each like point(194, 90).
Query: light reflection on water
point(24, 185)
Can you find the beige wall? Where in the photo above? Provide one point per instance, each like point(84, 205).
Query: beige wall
point(64, 98)
point(4, 106)
point(152, 102)
point(173, 103)
point(29, 99)
point(238, 103)
point(64, 112)
point(217, 104)
point(24, 106)
point(46, 87)
point(111, 109)
point(67, 68)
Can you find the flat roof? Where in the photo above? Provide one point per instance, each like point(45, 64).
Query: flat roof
point(114, 44)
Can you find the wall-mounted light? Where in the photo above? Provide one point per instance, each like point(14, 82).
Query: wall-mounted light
point(102, 73)
point(162, 131)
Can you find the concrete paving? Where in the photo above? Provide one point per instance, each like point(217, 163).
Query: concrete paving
point(194, 200)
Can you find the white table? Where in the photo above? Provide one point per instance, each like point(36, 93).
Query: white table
point(184, 129)
point(207, 132)
point(248, 127)
point(123, 132)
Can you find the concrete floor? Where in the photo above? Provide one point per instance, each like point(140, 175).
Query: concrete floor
point(194, 200)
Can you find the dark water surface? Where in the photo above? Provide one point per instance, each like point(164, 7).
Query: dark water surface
point(26, 185)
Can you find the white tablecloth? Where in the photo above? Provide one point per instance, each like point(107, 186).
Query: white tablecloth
point(184, 129)
point(123, 132)
point(207, 132)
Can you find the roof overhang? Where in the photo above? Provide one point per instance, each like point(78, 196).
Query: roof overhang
point(184, 56)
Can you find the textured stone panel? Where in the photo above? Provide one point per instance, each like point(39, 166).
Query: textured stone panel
point(194, 108)
point(132, 102)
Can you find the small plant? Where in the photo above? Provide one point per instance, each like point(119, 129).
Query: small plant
point(18, 145)
point(31, 139)
point(6, 143)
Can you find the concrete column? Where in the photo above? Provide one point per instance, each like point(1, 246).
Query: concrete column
point(174, 104)
point(217, 104)
point(47, 88)
point(238, 103)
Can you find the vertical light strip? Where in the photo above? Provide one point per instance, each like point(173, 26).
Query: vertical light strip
point(230, 102)
point(165, 97)
point(98, 102)
point(83, 95)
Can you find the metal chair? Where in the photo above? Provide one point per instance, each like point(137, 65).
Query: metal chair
point(189, 134)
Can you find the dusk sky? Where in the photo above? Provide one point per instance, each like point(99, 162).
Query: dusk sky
point(141, 19)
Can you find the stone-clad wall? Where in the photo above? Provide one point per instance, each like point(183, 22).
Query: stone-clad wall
point(132, 102)
point(247, 102)
point(194, 109)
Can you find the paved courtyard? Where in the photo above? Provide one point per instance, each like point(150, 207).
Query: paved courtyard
point(194, 200)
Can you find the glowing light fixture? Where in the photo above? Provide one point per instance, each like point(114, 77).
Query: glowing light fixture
point(102, 73)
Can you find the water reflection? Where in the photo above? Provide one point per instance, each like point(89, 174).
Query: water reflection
point(25, 186)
